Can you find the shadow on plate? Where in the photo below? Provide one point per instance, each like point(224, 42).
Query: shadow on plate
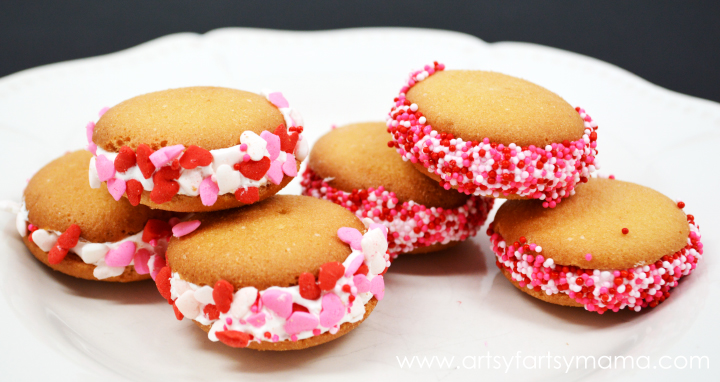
point(464, 258)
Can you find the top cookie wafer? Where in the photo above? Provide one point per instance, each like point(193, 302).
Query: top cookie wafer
point(197, 149)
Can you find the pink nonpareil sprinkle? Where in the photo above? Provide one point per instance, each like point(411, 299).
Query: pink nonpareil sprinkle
point(588, 257)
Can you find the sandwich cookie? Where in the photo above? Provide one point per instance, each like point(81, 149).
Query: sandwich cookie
point(197, 149)
point(287, 273)
point(353, 166)
point(613, 245)
point(489, 134)
point(83, 232)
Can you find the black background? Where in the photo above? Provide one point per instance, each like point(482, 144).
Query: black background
point(673, 44)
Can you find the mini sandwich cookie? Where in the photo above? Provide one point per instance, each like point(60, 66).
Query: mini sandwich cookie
point(613, 245)
point(83, 232)
point(353, 166)
point(287, 273)
point(490, 134)
point(196, 149)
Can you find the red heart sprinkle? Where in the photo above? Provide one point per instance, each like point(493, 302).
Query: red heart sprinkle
point(178, 315)
point(299, 308)
point(162, 281)
point(125, 159)
point(223, 295)
point(165, 185)
point(362, 270)
point(249, 196)
point(308, 288)
point(212, 311)
point(233, 338)
point(287, 142)
point(330, 273)
point(143, 160)
point(195, 156)
point(57, 255)
point(156, 229)
point(255, 170)
point(133, 191)
point(70, 237)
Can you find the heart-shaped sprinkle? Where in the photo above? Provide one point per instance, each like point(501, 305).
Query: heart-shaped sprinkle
point(255, 170)
point(377, 287)
point(44, 240)
point(178, 315)
point(158, 263)
point(223, 295)
point(362, 270)
point(299, 308)
point(208, 191)
point(380, 227)
point(188, 305)
point(184, 228)
point(256, 320)
point(273, 144)
point(91, 253)
point(308, 288)
point(333, 310)
point(162, 281)
point(256, 146)
point(233, 338)
point(166, 154)
point(361, 283)
point(249, 196)
point(302, 150)
point(195, 156)
point(227, 179)
point(125, 159)
point(211, 311)
point(116, 187)
point(134, 190)
point(278, 301)
point(70, 237)
point(143, 160)
point(204, 295)
point(354, 265)
point(121, 256)
point(57, 255)
point(89, 129)
point(278, 100)
point(290, 166)
point(243, 300)
point(275, 173)
point(165, 186)
point(155, 229)
point(350, 236)
point(103, 111)
point(287, 141)
point(105, 168)
point(330, 273)
point(140, 260)
point(300, 322)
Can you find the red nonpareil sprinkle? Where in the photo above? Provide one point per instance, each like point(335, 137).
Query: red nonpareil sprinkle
point(211, 311)
point(346, 288)
point(125, 159)
point(308, 288)
point(156, 229)
point(134, 190)
point(165, 185)
point(162, 281)
point(249, 196)
point(223, 295)
point(69, 238)
point(330, 273)
point(287, 141)
point(57, 254)
point(255, 170)
point(195, 156)
point(681, 205)
point(233, 338)
point(625, 231)
point(143, 160)
point(178, 315)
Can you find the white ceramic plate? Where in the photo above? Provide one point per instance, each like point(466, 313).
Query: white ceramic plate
point(452, 304)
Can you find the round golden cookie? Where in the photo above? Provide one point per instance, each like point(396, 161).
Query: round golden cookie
point(474, 104)
point(204, 122)
point(58, 196)
point(357, 157)
point(592, 222)
point(273, 246)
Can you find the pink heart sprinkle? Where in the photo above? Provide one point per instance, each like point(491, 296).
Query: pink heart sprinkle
point(166, 154)
point(300, 322)
point(275, 173)
point(208, 191)
point(184, 228)
point(257, 320)
point(92, 148)
point(380, 226)
point(350, 236)
point(120, 256)
point(105, 168)
point(116, 187)
point(158, 264)
point(290, 166)
point(354, 265)
point(361, 283)
point(278, 100)
point(377, 287)
point(89, 131)
point(141, 258)
point(278, 301)
point(103, 111)
point(333, 310)
point(273, 144)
